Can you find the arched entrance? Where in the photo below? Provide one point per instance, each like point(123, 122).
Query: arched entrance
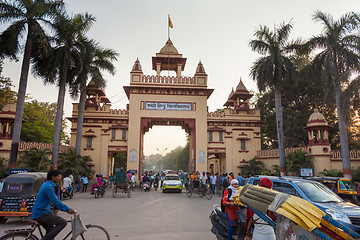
point(168, 100)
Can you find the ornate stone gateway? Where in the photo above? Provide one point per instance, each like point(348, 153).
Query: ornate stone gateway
point(218, 141)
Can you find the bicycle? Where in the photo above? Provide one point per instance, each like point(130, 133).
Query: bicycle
point(128, 189)
point(94, 232)
point(201, 190)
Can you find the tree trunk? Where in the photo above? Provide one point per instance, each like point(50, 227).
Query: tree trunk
point(279, 128)
point(80, 119)
point(20, 103)
point(343, 136)
point(58, 120)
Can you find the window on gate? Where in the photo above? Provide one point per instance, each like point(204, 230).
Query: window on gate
point(89, 142)
point(113, 133)
point(210, 136)
point(242, 144)
point(123, 137)
point(221, 136)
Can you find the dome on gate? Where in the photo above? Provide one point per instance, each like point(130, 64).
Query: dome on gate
point(317, 119)
point(10, 107)
point(169, 48)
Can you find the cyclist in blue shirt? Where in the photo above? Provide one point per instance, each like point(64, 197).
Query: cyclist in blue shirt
point(42, 212)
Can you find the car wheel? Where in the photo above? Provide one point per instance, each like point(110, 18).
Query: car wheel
point(3, 220)
point(163, 191)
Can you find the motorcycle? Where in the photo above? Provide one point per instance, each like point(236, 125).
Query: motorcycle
point(99, 191)
point(146, 186)
point(156, 185)
point(67, 193)
point(220, 223)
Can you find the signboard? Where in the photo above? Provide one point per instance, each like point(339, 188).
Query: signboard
point(201, 156)
point(168, 106)
point(306, 172)
point(17, 170)
point(132, 155)
point(133, 171)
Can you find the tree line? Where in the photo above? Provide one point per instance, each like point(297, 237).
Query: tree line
point(59, 52)
point(326, 67)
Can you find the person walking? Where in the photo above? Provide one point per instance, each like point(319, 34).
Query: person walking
point(262, 230)
point(213, 182)
point(218, 186)
point(231, 208)
point(1, 183)
point(85, 182)
point(240, 180)
point(78, 182)
point(41, 210)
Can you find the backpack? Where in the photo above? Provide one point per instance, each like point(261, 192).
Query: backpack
point(229, 195)
point(225, 182)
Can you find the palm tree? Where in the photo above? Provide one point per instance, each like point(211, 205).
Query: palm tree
point(94, 60)
point(335, 64)
point(30, 16)
point(64, 64)
point(269, 71)
point(70, 162)
point(36, 160)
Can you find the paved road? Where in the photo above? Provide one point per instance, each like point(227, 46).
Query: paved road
point(146, 215)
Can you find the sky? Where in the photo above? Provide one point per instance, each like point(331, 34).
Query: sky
point(215, 32)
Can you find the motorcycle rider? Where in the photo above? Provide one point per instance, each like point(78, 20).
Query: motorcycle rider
point(67, 184)
point(156, 182)
point(146, 179)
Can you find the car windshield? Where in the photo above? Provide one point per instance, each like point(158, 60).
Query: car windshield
point(346, 186)
point(172, 178)
point(317, 192)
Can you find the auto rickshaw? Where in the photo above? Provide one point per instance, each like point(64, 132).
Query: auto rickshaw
point(19, 193)
point(341, 186)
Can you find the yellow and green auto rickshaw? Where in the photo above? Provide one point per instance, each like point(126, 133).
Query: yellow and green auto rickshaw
point(341, 186)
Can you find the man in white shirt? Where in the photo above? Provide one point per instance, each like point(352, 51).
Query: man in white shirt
point(67, 183)
point(213, 179)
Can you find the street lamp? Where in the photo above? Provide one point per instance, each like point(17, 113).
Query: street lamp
point(161, 152)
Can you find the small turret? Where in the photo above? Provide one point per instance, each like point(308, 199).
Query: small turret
point(239, 99)
point(136, 73)
point(200, 75)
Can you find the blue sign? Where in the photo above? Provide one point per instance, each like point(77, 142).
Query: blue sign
point(133, 171)
point(18, 170)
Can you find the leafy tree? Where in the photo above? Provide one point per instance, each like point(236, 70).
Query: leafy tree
point(30, 17)
point(64, 63)
point(94, 60)
point(36, 160)
point(253, 167)
point(272, 69)
point(332, 173)
point(120, 161)
point(70, 162)
point(337, 59)
point(297, 160)
point(6, 94)
point(4, 170)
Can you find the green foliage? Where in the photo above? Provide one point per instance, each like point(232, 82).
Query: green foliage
point(4, 169)
point(296, 160)
point(120, 161)
point(356, 174)
point(36, 160)
point(177, 159)
point(253, 167)
point(6, 94)
point(332, 173)
point(39, 120)
point(71, 162)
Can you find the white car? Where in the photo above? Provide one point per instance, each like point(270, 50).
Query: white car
point(172, 182)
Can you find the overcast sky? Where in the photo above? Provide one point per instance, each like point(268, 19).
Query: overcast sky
point(215, 32)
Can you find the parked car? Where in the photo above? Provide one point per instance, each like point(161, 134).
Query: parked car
point(341, 186)
point(172, 182)
point(19, 193)
point(319, 195)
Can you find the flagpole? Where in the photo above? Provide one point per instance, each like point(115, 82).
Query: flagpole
point(168, 20)
point(168, 26)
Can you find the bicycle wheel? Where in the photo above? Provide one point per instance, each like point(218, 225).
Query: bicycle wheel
point(129, 191)
point(188, 191)
point(208, 193)
point(94, 232)
point(18, 236)
point(114, 191)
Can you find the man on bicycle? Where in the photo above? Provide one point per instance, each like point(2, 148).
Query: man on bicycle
point(42, 212)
